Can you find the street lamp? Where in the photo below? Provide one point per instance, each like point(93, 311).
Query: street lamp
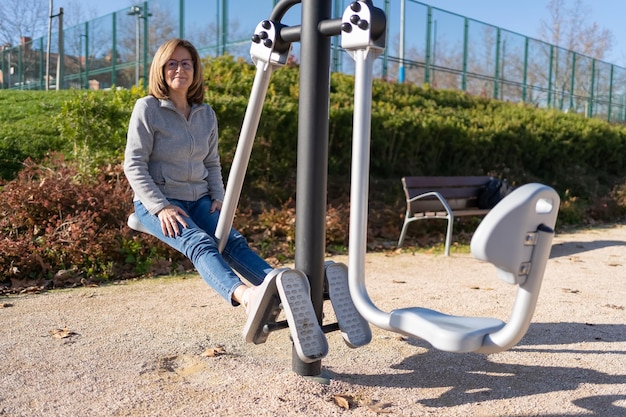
point(139, 12)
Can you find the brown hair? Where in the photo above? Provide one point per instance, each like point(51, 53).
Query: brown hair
point(157, 86)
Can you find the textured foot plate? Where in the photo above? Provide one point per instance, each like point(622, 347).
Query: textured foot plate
point(307, 335)
point(354, 328)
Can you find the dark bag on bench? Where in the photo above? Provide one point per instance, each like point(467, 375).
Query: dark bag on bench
point(494, 191)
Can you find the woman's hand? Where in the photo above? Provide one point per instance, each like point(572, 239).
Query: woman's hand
point(216, 205)
point(170, 216)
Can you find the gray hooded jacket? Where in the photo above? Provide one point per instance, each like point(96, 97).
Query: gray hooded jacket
point(168, 156)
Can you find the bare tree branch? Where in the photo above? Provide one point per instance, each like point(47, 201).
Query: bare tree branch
point(568, 27)
point(22, 18)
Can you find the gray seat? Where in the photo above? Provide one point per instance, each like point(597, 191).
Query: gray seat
point(516, 237)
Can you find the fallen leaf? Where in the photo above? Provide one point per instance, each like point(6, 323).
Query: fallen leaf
point(63, 333)
point(6, 305)
point(398, 281)
point(214, 351)
point(343, 401)
point(569, 290)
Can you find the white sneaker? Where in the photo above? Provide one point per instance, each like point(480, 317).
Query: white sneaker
point(262, 305)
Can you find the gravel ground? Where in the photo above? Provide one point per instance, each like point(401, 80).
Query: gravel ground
point(171, 347)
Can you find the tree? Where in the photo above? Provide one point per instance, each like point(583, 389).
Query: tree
point(569, 28)
point(29, 18)
point(22, 18)
point(580, 43)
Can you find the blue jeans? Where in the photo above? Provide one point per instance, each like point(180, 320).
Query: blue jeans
point(198, 243)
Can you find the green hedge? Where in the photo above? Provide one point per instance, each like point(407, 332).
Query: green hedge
point(64, 213)
point(415, 131)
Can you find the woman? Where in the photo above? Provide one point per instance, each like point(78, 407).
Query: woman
point(172, 164)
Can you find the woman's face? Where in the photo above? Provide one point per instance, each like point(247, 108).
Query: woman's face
point(179, 71)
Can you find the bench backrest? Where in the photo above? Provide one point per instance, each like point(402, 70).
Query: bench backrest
point(460, 192)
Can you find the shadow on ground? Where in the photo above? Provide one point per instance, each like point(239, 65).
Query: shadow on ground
point(470, 378)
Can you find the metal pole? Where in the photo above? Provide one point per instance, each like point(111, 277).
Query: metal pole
point(429, 24)
point(385, 57)
point(336, 51)
point(402, 38)
point(312, 172)
point(87, 55)
point(42, 58)
point(181, 19)
point(138, 12)
point(525, 80)
point(551, 66)
point(61, 56)
point(20, 66)
point(114, 51)
point(591, 88)
point(465, 53)
point(224, 33)
point(610, 93)
point(137, 49)
point(218, 20)
point(571, 90)
point(496, 78)
point(145, 15)
point(48, 46)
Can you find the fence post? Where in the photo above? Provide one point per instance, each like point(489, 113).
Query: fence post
point(43, 58)
point(550, 70)
point(146, 42)
point(402, 39)
point(114, 50)
point(181, 19)
point(608, 116)
point(224, 33)
point(465, 54)
point(20, 68)
point(496, 80)
point(429, 25)
point(525, 80)
point(591, 88)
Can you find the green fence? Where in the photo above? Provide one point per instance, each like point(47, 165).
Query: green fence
point(425, 45)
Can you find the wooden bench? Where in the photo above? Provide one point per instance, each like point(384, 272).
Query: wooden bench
point(441, 198)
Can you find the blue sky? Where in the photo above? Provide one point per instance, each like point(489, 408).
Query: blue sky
point(523, 17)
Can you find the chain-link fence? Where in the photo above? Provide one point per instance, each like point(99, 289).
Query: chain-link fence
point(424, 45)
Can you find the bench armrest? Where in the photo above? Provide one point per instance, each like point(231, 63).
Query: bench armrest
point(439, 197)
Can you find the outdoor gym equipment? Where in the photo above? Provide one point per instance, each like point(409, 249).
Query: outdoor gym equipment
point(515, 236)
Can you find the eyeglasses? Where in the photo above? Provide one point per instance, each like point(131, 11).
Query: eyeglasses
point(173, 64)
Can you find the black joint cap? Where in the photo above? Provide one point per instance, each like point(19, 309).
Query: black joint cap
point(263, 35)
point(363, 24)
point(256, 38)
point(268, 43)
point(346, 27)
point(356, 7)
point(266, 24)
point(355, 19)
